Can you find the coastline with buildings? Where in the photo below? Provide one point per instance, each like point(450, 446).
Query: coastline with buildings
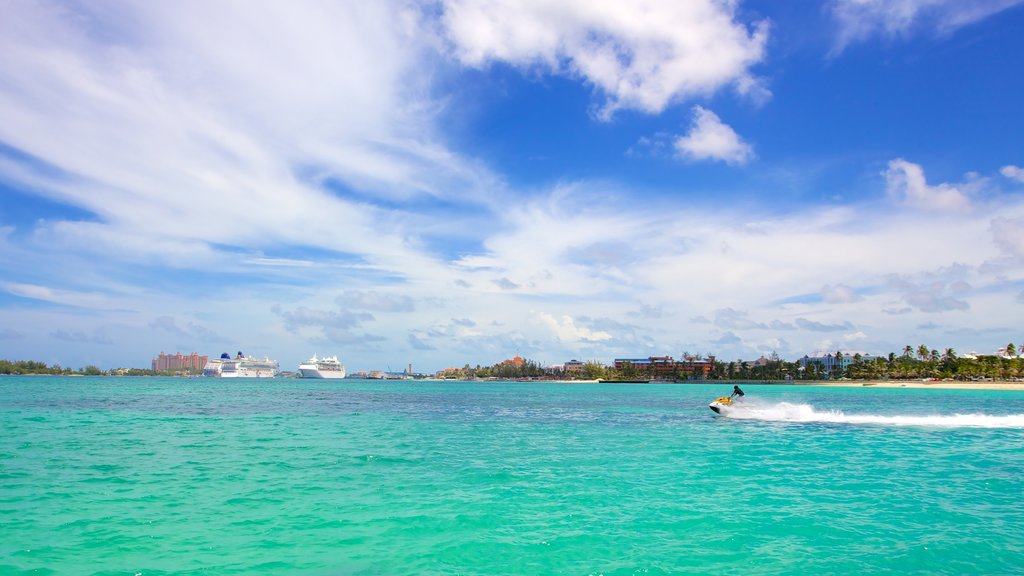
point(921, 368)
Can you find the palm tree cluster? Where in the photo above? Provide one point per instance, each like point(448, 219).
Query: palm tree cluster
point(929, 363)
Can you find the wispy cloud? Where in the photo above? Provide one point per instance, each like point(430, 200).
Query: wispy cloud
point(174, 173)
point(56, 295)
point(859, 20)
point(192, 332)
point(376, 301)
point(96, 337)
point(302, 317)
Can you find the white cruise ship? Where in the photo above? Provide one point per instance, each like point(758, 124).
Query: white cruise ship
point(326, 367)
point(241, 366)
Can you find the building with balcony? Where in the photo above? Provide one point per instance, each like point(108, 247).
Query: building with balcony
point(692, 367)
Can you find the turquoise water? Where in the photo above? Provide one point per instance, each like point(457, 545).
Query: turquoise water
point(173, 476)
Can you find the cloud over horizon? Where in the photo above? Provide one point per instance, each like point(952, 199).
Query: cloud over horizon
point(319, 177)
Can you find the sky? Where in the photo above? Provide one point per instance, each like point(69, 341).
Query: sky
point(455, 182)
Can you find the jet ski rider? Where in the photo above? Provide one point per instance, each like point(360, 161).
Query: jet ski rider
point(736, 392)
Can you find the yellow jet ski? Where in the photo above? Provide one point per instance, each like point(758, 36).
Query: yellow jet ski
point(721, 405)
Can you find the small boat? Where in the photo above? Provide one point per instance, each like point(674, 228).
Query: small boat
point(721, 405)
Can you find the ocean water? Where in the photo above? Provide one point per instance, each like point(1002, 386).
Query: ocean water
point(150, 476)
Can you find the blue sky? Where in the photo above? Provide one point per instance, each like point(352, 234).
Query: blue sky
point(451, 182)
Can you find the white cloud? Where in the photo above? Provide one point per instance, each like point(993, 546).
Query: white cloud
point(942, 290)
point(376, 301)
point(180, 163)
point(193, 332)
point(1013, 172)
point(839, 294)
point(906, 185)
point(641, 55)
point(1008, 234)
point(566, 330)
point(710, 139)
point(855, 336)
point(859, 20)
point(96, 337)
point(57, 295)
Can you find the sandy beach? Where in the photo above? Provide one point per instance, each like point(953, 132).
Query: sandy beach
point(944, 384)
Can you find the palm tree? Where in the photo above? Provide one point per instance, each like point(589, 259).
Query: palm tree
point(923, 352)
point(1011, 350)
point(907, 351)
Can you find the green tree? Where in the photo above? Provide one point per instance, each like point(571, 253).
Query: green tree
point(923, 352)
point(593, 370)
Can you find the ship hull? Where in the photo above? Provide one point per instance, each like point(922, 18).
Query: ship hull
point(314, 372)
point(327, 367)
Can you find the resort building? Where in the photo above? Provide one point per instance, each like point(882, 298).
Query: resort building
point(664, 366)
point(517, 361)
point(828, 364)
point(175, 362)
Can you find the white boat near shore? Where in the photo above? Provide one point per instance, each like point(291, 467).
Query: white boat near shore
point(326, 367)
point(241, 366)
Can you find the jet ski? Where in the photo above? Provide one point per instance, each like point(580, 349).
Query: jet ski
point(722, 405)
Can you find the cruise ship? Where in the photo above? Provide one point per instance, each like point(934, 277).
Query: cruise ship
point(326, 367)
point(241, 366)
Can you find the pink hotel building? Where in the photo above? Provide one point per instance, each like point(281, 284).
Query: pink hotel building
point(167, 362)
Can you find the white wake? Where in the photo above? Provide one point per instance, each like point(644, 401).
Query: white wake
point(787, 412)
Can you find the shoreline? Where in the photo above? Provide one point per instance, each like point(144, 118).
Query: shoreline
point(941, 384)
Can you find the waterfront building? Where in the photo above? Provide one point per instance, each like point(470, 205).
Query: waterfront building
point(572, 366)
point(664, 366)
point(450, 373)
point(175, 362)
point(829, 365)
point(514, 362)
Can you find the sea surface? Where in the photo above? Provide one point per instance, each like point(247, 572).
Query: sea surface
point(150, 476)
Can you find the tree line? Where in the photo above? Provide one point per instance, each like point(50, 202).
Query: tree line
point(912, 364)
point(19, 367)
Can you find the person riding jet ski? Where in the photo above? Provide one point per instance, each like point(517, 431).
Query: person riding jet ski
point(726, 402)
